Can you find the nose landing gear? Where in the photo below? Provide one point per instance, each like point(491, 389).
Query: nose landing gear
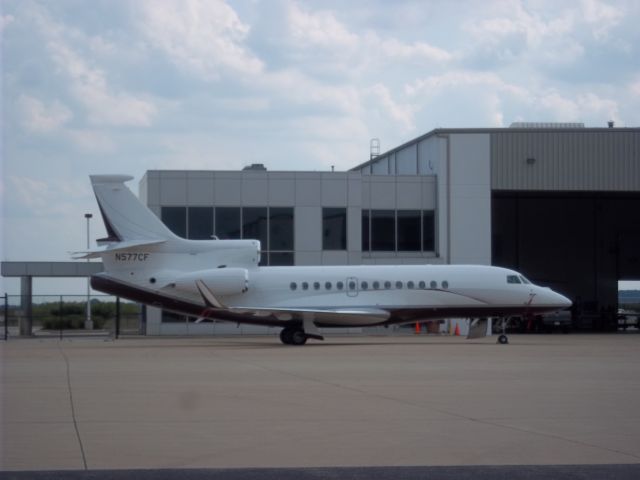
point(503, 339)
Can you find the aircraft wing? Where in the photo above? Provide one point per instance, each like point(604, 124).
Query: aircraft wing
point(334, 316)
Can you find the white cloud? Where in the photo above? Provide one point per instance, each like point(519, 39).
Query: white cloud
point(310, 30)
point(402, 114)
point(601, 16)
point(90, 141)
point(319, 29)
point(204, 36)
point(43, 118)
point(90, 88)
point(5, 21)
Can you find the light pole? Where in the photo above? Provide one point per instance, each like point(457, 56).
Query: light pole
point(88, 323)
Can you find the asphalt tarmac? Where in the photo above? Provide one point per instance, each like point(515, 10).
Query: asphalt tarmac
point(190, 407)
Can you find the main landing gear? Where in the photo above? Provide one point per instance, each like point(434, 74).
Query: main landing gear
point(293, 336)
point(296, 335)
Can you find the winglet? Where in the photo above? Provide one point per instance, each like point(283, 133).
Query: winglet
point(207, 295)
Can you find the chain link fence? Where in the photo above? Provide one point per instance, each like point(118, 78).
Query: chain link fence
point(66, 316)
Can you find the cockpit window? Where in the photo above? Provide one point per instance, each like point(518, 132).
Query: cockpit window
point(524, 280)
point(513, 279)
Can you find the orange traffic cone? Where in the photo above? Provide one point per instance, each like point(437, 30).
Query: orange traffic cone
point(457, 331)
point(417, 328)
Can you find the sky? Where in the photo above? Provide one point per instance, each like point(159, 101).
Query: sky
point(115, 86)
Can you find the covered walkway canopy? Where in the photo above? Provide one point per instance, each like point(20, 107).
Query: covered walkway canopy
point(27, 270)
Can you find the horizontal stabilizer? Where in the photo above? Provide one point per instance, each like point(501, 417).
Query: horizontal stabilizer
point(114, 247)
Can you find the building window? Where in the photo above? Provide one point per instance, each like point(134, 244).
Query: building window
point(366, 244)
point(200, 223)
point(254, 225)
point(408, 230)
point(279, 259)
point(334, 228)
point(227, 223)
point(428, 231)
point(383, 230)
point(280, 228)
point(175, 218)
point(398, 230)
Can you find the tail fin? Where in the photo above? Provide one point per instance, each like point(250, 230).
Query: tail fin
point(125, 218)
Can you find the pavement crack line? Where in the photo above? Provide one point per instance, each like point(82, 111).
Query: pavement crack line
point(439, 410)
point(73, 409)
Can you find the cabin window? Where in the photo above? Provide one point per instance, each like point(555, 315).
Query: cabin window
point(352, 285)
point(422, 284)
point(376, 285)
point(410, 285)
point(513, 279)
point(364, 285)
point(445, 284)
point(398, 285)
point(327, 285)
point(293, 285)
point(387, 285)
point(433, 284)
point(339, 285)
point(305, 286)
point(316, 285)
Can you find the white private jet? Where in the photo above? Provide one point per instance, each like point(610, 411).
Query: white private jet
point(221, 280)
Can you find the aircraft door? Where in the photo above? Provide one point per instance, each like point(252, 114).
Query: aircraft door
point(352, 286)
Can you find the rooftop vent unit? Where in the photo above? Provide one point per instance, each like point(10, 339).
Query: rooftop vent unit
point(546, 125)
point(256, 166)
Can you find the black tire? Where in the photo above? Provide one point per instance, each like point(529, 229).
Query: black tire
point(285, 336)
point(503, 340)
point(298, 337)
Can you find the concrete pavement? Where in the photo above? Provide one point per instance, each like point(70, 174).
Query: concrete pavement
point(350, 401)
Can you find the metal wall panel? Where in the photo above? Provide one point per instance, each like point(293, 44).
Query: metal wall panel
point(573, 160)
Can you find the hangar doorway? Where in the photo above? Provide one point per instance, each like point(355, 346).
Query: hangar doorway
point(580, 244)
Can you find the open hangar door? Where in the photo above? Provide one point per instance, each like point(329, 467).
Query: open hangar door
point(579, 244)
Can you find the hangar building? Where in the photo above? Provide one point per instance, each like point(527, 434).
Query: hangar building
point(558, 202)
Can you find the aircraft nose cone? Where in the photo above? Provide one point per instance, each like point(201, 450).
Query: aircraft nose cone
point(564, 301)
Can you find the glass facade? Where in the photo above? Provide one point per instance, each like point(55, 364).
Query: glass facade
point(273, 227)
point(228, 223)
point(383, 232)
point(334, 228)
point(398, 230)
point(254, 225)
point(175, 218)
point(408, 228)
point(200, 223)
point(281, 228)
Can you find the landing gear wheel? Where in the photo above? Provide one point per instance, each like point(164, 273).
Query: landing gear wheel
point(503, 340)
point(285, 336)
point(293, 336)
point(298, 337)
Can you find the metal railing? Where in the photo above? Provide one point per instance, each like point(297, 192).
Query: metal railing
point(64, 316)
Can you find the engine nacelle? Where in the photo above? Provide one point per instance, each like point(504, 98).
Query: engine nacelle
point(221, 281)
